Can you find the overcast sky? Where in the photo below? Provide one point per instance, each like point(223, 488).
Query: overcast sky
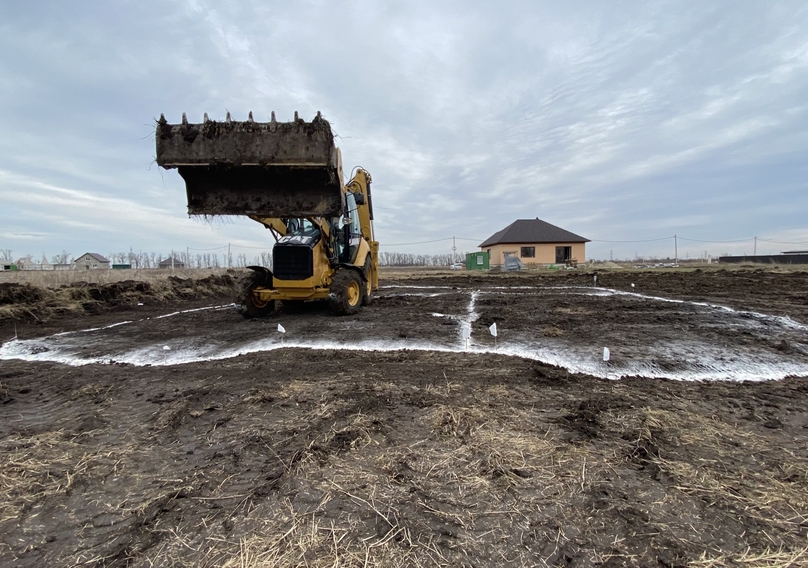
point(618, 121)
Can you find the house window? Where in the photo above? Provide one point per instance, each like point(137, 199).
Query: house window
point(563, 254)
point(528, 252)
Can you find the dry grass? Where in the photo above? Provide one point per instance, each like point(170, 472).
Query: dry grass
point(552, 331)
point(773, 492)
point(474, 479)
point(386, 495)
point(57, 278)
point(43, 465)
point(292, 538)
point(749, 559)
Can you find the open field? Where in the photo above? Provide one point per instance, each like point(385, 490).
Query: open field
point(176, 433)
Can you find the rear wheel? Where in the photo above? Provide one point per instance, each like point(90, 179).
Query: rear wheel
point(368, 285)
point(346, 292)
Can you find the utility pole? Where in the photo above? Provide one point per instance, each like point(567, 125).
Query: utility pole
point(675, 249)
point(228, 255)
point(755, 253)
point(454, 248)
point(187, 257)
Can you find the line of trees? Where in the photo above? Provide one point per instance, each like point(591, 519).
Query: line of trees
point(407, 259)
point(190, 259)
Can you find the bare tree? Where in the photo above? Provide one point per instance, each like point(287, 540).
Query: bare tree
point(5, 255)
point(266, 259)
point(61, 258)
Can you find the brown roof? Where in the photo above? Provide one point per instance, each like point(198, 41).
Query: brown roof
point(532, 231)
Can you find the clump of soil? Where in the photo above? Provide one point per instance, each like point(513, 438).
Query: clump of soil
point(26, 303)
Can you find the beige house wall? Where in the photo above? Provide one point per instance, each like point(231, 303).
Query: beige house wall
point(545, 253)
point(89, 262)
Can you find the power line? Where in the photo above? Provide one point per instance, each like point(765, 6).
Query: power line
point(210, 249)
point(708, 242)
point(420, 243)
point(645, 241)
point(785, 242)
point(256, 248)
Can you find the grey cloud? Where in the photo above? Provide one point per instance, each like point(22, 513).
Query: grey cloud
point(616, 121)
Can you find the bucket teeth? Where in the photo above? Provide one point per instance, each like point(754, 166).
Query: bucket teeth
point(246, 167)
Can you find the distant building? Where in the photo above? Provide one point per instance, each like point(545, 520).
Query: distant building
point(91, 261)
point(787, 257)
point(477, 261)
point(535, 242)
point(172, 263)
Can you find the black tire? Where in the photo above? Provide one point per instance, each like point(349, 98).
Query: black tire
point(368, 285)
point(346, 292)
point(251, 307)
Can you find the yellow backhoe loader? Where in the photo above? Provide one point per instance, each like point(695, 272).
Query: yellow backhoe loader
point(288, 177)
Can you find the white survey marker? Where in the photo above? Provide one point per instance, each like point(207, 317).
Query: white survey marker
point(493, 329)
point(465, 331)
point(281, 329)
point(606, 354)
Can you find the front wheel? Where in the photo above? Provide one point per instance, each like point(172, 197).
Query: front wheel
point(250, 306)
point(346, 292)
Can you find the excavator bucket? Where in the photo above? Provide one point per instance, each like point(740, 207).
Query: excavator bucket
point(271, 169)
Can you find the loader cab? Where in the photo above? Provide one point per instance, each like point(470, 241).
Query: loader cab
point(350, 230)
point(301, 227)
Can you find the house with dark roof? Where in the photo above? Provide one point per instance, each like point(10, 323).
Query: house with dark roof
point(171, 262)
point(535, 242)
point(90, 261)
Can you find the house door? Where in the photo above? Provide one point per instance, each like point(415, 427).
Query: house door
point(563, 254)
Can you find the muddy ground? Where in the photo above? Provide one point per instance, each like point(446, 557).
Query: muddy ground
point(297, 449)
